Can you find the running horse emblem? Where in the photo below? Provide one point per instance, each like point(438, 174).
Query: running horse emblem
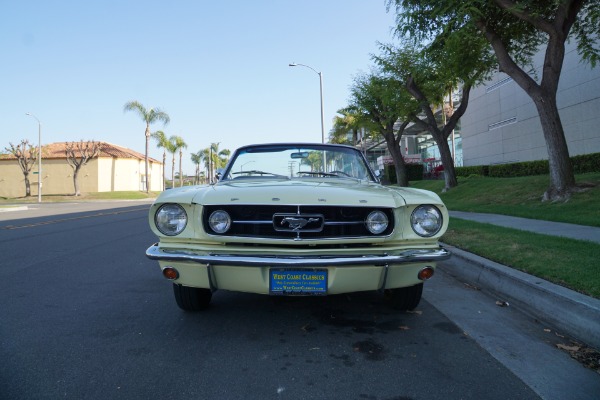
point(297, 223)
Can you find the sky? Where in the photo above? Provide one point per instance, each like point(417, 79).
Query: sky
point(220, 69)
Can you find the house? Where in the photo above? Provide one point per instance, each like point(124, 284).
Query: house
point(115, 168)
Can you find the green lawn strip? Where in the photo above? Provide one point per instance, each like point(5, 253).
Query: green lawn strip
point(521, 197)
point(567, 262)
point(125, 195)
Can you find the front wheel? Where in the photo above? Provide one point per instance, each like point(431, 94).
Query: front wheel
point(406, 298)
point(191, 298)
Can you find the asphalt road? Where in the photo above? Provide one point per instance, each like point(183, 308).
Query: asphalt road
point(84, 315)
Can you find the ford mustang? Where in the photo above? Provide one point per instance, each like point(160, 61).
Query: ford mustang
point(297, 219)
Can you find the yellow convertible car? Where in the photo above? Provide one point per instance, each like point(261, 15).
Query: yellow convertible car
point(295, 220)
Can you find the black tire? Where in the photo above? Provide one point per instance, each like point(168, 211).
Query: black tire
point(191, 298)
point(405, 299)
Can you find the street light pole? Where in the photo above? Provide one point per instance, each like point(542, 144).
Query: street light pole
point(321, 93)
point(39, 156)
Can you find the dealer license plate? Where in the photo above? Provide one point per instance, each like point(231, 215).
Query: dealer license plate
point(294, 282)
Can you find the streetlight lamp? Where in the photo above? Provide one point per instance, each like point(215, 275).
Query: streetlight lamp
point(39, 156)
point(321, 92)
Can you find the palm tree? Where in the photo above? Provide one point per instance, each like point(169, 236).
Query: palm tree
point(350, 121)
point(176, 143)
point(149, 116)
point(216, 158)
point(207, 163)
point(197, 159)
point(162, 142)
point(180, 145)
point(172, 150)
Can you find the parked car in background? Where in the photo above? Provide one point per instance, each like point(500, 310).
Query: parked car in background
point(297, 219)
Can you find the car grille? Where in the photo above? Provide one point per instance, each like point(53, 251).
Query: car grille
point(297, 222)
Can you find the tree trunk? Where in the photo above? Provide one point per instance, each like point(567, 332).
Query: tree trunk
point(146, 157)
point(164, 170)
point(399, 166)
point(180, 170)
point(173, 172)
point(562, 178)
point(76, 181)
point(28, 185)
point(448, 163)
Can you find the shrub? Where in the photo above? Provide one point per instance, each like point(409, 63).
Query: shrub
point(581, 164)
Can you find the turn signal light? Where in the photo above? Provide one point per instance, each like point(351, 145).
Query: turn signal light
point(426, 273)
point(170, 273)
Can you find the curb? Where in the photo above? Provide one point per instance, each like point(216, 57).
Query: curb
point(570, 312)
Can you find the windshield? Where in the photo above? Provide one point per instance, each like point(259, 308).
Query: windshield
point(297, 162)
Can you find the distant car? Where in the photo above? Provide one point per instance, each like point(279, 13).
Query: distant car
point(295, 220)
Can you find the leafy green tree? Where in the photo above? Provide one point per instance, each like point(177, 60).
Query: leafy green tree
point(382, 101)
point(429, 74)
point(149, 116)
point(515, 31)
point(26, 155)
point(162, 142)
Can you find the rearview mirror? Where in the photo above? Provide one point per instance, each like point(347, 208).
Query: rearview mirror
point(300, 154)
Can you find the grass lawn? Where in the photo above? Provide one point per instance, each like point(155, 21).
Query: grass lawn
point(567, 262)
point(521, 197)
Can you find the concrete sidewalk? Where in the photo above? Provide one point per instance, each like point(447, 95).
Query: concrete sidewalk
point(568, 311)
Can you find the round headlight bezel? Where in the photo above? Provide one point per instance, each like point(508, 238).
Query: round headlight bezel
point(170, 219)
point(377, 222)
point(219, 222)
point(426, 220)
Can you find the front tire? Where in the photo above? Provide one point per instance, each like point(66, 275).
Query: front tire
point(191, 298)
point(406, 298)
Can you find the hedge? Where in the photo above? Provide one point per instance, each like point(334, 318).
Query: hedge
point(581, 164)
point(414, 171)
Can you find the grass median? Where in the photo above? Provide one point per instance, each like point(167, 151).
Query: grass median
point(567, 262)
point(55, 198)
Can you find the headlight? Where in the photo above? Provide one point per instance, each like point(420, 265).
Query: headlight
point(426, 220)
point(170, 219)
point(376, 222)
point(219, 221)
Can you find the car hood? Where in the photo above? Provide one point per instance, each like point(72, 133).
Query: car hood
point(342, 192)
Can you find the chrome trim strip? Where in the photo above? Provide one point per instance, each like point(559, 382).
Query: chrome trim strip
point(407, 256)
point(385, 275)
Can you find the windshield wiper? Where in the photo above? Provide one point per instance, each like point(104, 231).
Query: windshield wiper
point(319, 173)
point(256, 172)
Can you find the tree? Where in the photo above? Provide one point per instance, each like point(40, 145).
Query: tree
point(162, 142)
point(149, 116)
point(78, 155)
point(26, 155)
point(197, 159)
point(431, 73)
point(348, 122)
point(172, 148)
point(383, 101)
point(179, 144)
point(515, 31)
point(215, 159)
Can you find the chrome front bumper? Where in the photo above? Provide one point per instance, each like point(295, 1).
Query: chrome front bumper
point(154, 252)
